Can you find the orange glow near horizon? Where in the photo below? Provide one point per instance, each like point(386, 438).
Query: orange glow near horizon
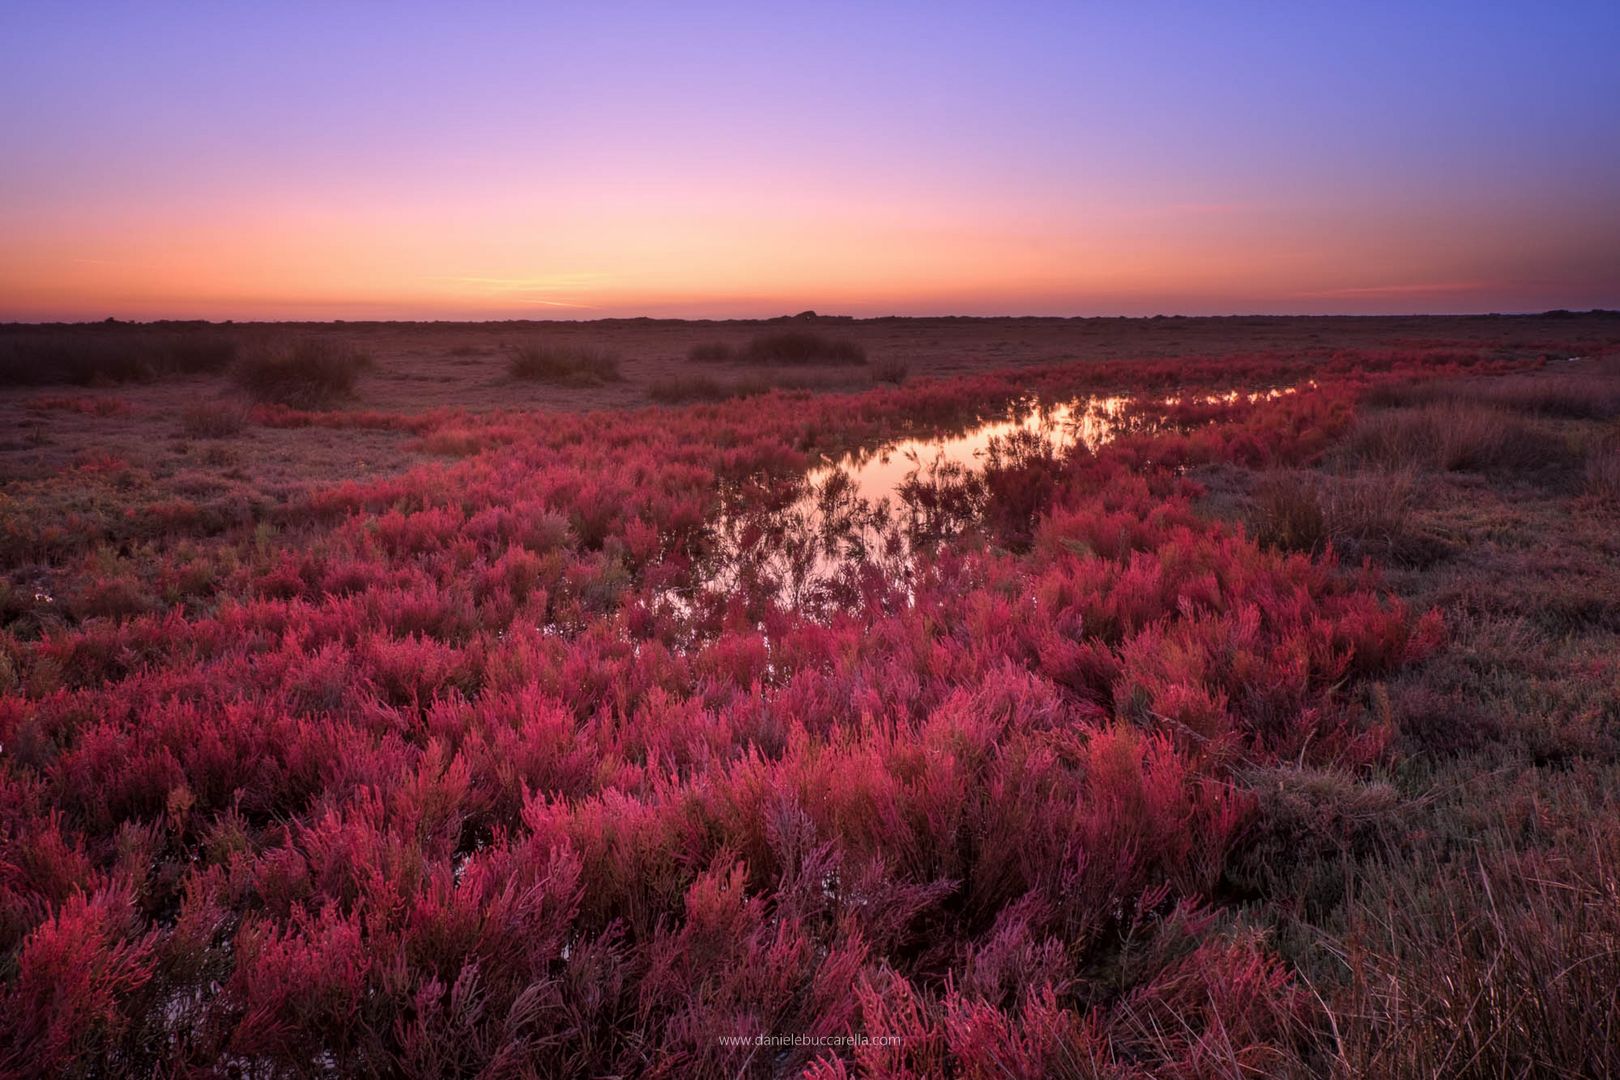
point(706, 260)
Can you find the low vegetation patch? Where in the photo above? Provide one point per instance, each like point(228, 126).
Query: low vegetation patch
point(686, 388)
point(893, 372)
point(83, 356)
point(803, 347)
point(1455, 436)
point(213, 420)
point(307, 373)
point(1603, 471)
point(711, 352)
point(784, 348)
point(84, 405)
point(570, 365)
point(1299, 510)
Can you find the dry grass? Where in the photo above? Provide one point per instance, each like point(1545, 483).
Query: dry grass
point(1452, 435)
point(1503, 964)
point(1362, 513)
point(1288, 512)
point(1372, 509)
point(306, 373)
point(569, 365)
point(213, 420)
point(1603, 472)
point(1590, 395)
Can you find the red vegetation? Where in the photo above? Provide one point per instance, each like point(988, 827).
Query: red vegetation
point(463, 769)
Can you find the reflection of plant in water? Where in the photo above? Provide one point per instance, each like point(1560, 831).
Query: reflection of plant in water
point(1021, 474)
point(943, 498)
point(820, 549)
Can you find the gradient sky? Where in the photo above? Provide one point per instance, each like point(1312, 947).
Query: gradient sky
point(354, 160)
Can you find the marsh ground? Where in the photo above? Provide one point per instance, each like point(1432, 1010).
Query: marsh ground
point(1271, 738)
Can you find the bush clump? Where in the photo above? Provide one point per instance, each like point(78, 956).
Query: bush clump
point(803, 347)
point(303, 374)
point(573, 365)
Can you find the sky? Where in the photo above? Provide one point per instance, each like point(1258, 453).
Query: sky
point(229, 160)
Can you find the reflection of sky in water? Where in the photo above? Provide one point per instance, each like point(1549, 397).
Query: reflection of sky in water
point(1091, 421)
point(878, 474)
point(804, 546)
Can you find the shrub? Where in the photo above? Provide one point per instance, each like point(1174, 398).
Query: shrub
point(803, 347)
point(213, 420)
point(82, 356)
point(711, 352)
point(575, 365)
point(303, 374)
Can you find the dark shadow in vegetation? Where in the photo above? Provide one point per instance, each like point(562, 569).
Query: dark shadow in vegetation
point(711, 352)
point(687, 388)
point(83, 356)
point(893, 372)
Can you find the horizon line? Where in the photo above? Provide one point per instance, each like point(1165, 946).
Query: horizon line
point(811, 315)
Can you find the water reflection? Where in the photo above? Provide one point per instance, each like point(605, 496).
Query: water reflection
point(851, 529)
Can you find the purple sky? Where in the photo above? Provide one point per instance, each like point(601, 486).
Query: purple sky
point(479, 160)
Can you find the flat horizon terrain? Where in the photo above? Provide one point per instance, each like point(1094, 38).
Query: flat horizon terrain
point(427, 365)
point(421, 367)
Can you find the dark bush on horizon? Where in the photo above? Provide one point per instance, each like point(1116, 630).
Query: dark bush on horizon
point(87, 355)
point(803, 347)
point(307, 373)
point(573, 365)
